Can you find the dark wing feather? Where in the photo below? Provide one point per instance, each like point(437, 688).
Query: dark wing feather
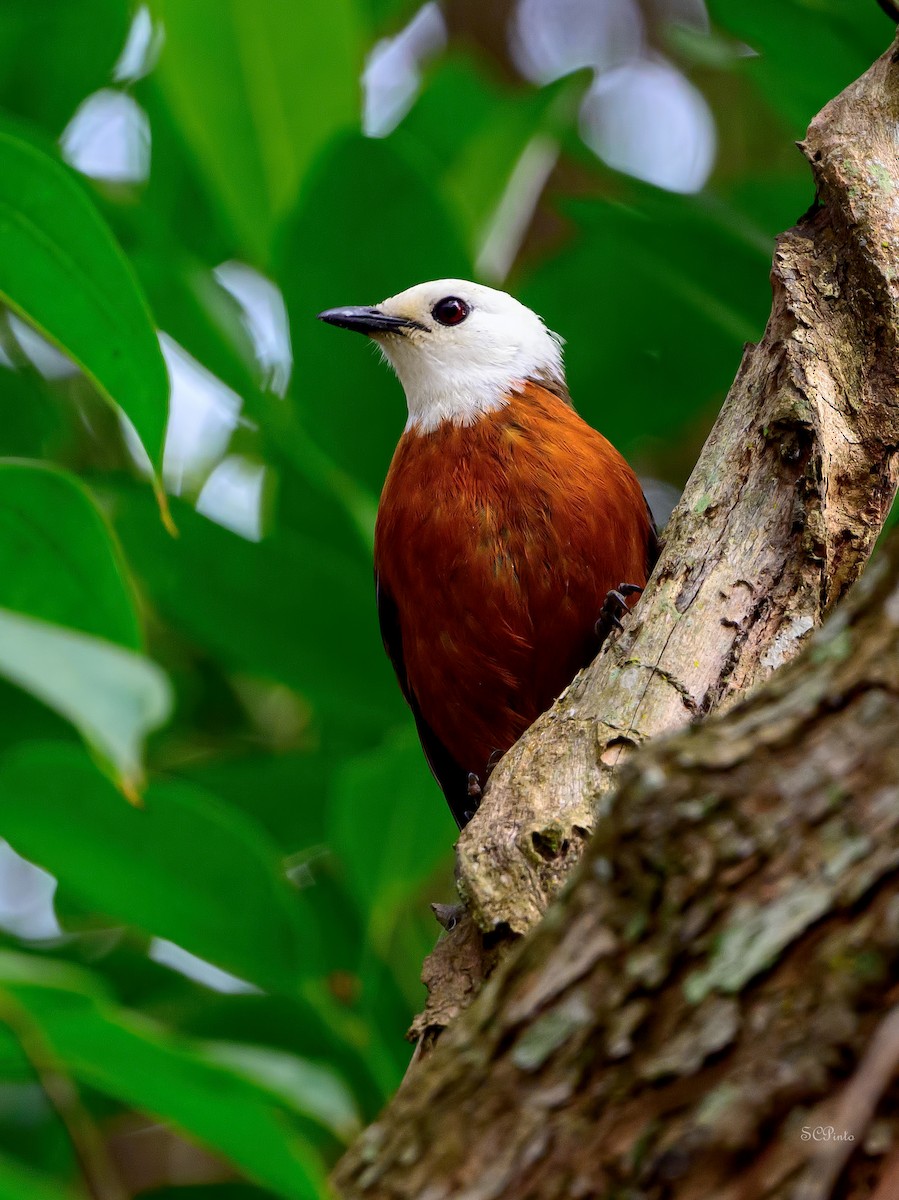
point(653, 544)
point(452, 778)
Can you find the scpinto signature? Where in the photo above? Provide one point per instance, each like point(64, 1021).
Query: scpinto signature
point(825, 1133)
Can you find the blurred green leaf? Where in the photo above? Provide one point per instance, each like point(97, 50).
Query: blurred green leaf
point(808, 50)
point(112, 696)
point(137, 1063)
point(58, 558)
point(166, 867)
point(21, 1183)
point(305, 1086)
point(289, 607)
point(259, 86)
point(271, 788)
point(40, 77)
point(335, 251)
point(672, 323)
point(389, 12)
point(61, 269)
point(197, 312)
point(300, 1026)
point(503, 128)
point(35, 420)
point(290, 748)
point(387, 798)
point(178, 213)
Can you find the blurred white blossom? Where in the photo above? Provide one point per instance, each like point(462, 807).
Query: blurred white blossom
point(392, 73)
point(648, 120)
point(265, 318)
point(109, 138)
point(552, 38)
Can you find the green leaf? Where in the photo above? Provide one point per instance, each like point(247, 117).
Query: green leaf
point(291, 607)
point(62, 270)
point(112, 696)
point(259, 86)
point(138, 1064)
point(21, 1183)
point(502, 126)
point(837, 39)
point(35, 417)
point(270, 787)
point(183, 866)
point(40, 78)
point(308, 1088)
point(388, 798)
point(659, 287)
point(59, 560)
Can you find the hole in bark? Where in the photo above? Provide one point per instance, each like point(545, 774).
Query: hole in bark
point(548, 844)
point(502, 933)
point(617, 751)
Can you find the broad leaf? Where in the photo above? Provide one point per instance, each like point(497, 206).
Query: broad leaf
point(183, 866)
point(839, 40)
point(259, 86)
point(137, 1063)
point(58, 558)
point(112, 696)
point(290, 607)
point(388, 797)
point(41, 79)
point(657, 270)
point(61, 269)
point(306, 1087)
point(21, 1183)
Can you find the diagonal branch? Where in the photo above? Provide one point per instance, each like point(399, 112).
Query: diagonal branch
point(777, 521)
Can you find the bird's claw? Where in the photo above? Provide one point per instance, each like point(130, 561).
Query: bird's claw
point(447, 915)
point(614, 606)
point(474, 791)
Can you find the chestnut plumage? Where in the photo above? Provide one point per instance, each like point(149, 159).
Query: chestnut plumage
point(504, 522)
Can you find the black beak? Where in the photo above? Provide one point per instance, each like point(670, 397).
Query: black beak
point(367, 320)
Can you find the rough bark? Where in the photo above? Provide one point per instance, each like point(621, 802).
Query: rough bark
point(711, 978)
point(777, 521)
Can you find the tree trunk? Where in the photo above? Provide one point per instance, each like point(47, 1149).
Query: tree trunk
point(689, 1005)
point(727, 945)
point(777, 520)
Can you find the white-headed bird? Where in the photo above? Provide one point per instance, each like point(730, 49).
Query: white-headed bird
point(506, 527)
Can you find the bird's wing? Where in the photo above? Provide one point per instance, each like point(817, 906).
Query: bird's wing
point(653, 542)
point(452, 778)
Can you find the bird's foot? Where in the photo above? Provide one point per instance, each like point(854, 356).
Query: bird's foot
point(614, 607)
point(448, 915)
point(474, 791)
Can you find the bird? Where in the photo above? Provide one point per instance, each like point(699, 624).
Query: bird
point(510, 536)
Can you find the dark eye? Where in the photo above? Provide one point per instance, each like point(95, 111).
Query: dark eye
point(450, 310)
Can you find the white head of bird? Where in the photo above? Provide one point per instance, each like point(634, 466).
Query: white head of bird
point(460, 349)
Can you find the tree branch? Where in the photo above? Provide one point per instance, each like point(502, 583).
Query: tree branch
point(777, 520)
point(726, 949)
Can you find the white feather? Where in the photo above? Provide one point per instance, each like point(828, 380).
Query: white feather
point(459, 372)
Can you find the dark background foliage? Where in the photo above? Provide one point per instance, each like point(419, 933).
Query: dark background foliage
point(203, 992)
